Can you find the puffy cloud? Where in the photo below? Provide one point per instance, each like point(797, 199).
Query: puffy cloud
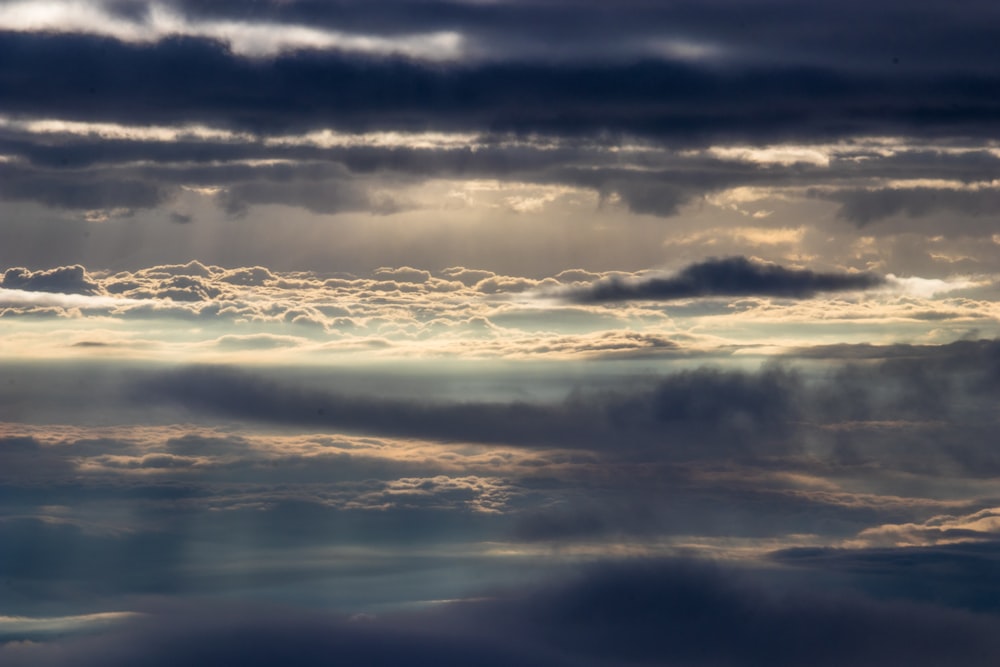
point(63, 279)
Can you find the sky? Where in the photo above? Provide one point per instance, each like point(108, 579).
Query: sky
point(497, 332)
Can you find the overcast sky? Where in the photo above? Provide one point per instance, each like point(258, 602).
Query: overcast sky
point(504, 333)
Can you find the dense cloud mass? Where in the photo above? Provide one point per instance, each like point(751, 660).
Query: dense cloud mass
point(499, 333)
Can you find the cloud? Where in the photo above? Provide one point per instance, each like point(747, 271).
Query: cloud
point(638, 612)
point(435, 463)
point(414, 313)
point(94, 190)
point(735, 408)
point(732, 276)
point(864, 207)
point(927, 414)
point(683, 30)
point(686, 102)
point(151, 22)
point(21, 627)
point(676, 612)
point(955, 574)
point(722, 461)
point(981, 525)
point(319, 197)
point(64, 280)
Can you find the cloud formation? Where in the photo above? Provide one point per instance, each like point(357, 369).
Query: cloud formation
point(731, 276)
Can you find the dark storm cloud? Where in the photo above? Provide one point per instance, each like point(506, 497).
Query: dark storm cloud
point(639, 612)
point(190, 80)
point(731, 276)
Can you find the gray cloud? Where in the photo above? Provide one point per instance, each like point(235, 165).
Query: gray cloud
point(863, 207)
point(64, 279)
point(78, 190)
point(788, 31)
point(687, 101)
point(916, 413)
point(734, 407)
point(732, 276)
